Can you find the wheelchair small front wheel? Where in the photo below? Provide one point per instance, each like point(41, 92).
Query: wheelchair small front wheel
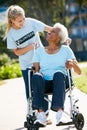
point(79, 121)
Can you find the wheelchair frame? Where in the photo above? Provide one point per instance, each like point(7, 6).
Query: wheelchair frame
point(75, 115)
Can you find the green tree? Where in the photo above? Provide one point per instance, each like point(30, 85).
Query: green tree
point(48, 11)
point(2, 31)
point(81, 2)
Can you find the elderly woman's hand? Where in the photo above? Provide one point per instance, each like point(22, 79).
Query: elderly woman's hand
point(69, 64)
point(68, 41)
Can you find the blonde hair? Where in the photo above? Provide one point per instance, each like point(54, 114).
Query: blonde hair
point(12, 12)
point(63, 32)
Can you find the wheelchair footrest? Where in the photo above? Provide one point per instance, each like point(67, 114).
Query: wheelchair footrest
point(67, 123)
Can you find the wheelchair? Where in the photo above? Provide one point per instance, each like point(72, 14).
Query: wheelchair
point(76, 117)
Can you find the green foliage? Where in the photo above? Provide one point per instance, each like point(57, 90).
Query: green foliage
point(10, 71)
point(4, 59)
point(48, 11)
point(2, 28)
point(9, 68)
point(82, 2)
point(2, 32)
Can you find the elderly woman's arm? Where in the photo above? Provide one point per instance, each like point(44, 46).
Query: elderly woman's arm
point(73, 64)
point(76, 67)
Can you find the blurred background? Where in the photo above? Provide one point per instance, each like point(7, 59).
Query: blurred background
point(72, 13)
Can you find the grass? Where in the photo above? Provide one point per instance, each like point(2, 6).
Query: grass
point(81, 80)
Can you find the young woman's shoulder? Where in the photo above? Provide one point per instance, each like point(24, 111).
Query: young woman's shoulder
point(11, 31)
point(27, 19)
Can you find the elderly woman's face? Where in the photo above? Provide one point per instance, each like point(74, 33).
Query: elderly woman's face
point(53, 36)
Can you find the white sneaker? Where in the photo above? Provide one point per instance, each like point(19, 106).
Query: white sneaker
point(41, 119)
point(59, 116)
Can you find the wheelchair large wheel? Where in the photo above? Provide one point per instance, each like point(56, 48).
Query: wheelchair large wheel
point(79, 121)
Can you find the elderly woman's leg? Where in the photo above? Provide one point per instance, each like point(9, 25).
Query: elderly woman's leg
point(58, 94)
point(38, 85)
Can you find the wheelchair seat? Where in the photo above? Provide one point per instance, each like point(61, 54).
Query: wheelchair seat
point(49, 90)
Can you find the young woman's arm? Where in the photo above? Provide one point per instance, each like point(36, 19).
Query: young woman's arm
point(21, 51)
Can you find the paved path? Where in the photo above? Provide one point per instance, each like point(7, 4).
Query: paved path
point(13, 107)
point(83, 64)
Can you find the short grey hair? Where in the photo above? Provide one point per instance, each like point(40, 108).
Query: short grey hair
point(63, 32)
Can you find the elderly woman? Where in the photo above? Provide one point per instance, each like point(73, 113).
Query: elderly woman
point(50, 64)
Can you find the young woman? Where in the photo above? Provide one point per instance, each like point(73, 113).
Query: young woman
point(22, 37)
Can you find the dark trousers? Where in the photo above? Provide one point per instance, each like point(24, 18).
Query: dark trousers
point(26, 78)
point(57, 85)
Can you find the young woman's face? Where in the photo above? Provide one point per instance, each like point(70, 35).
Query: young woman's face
point(18, 22)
